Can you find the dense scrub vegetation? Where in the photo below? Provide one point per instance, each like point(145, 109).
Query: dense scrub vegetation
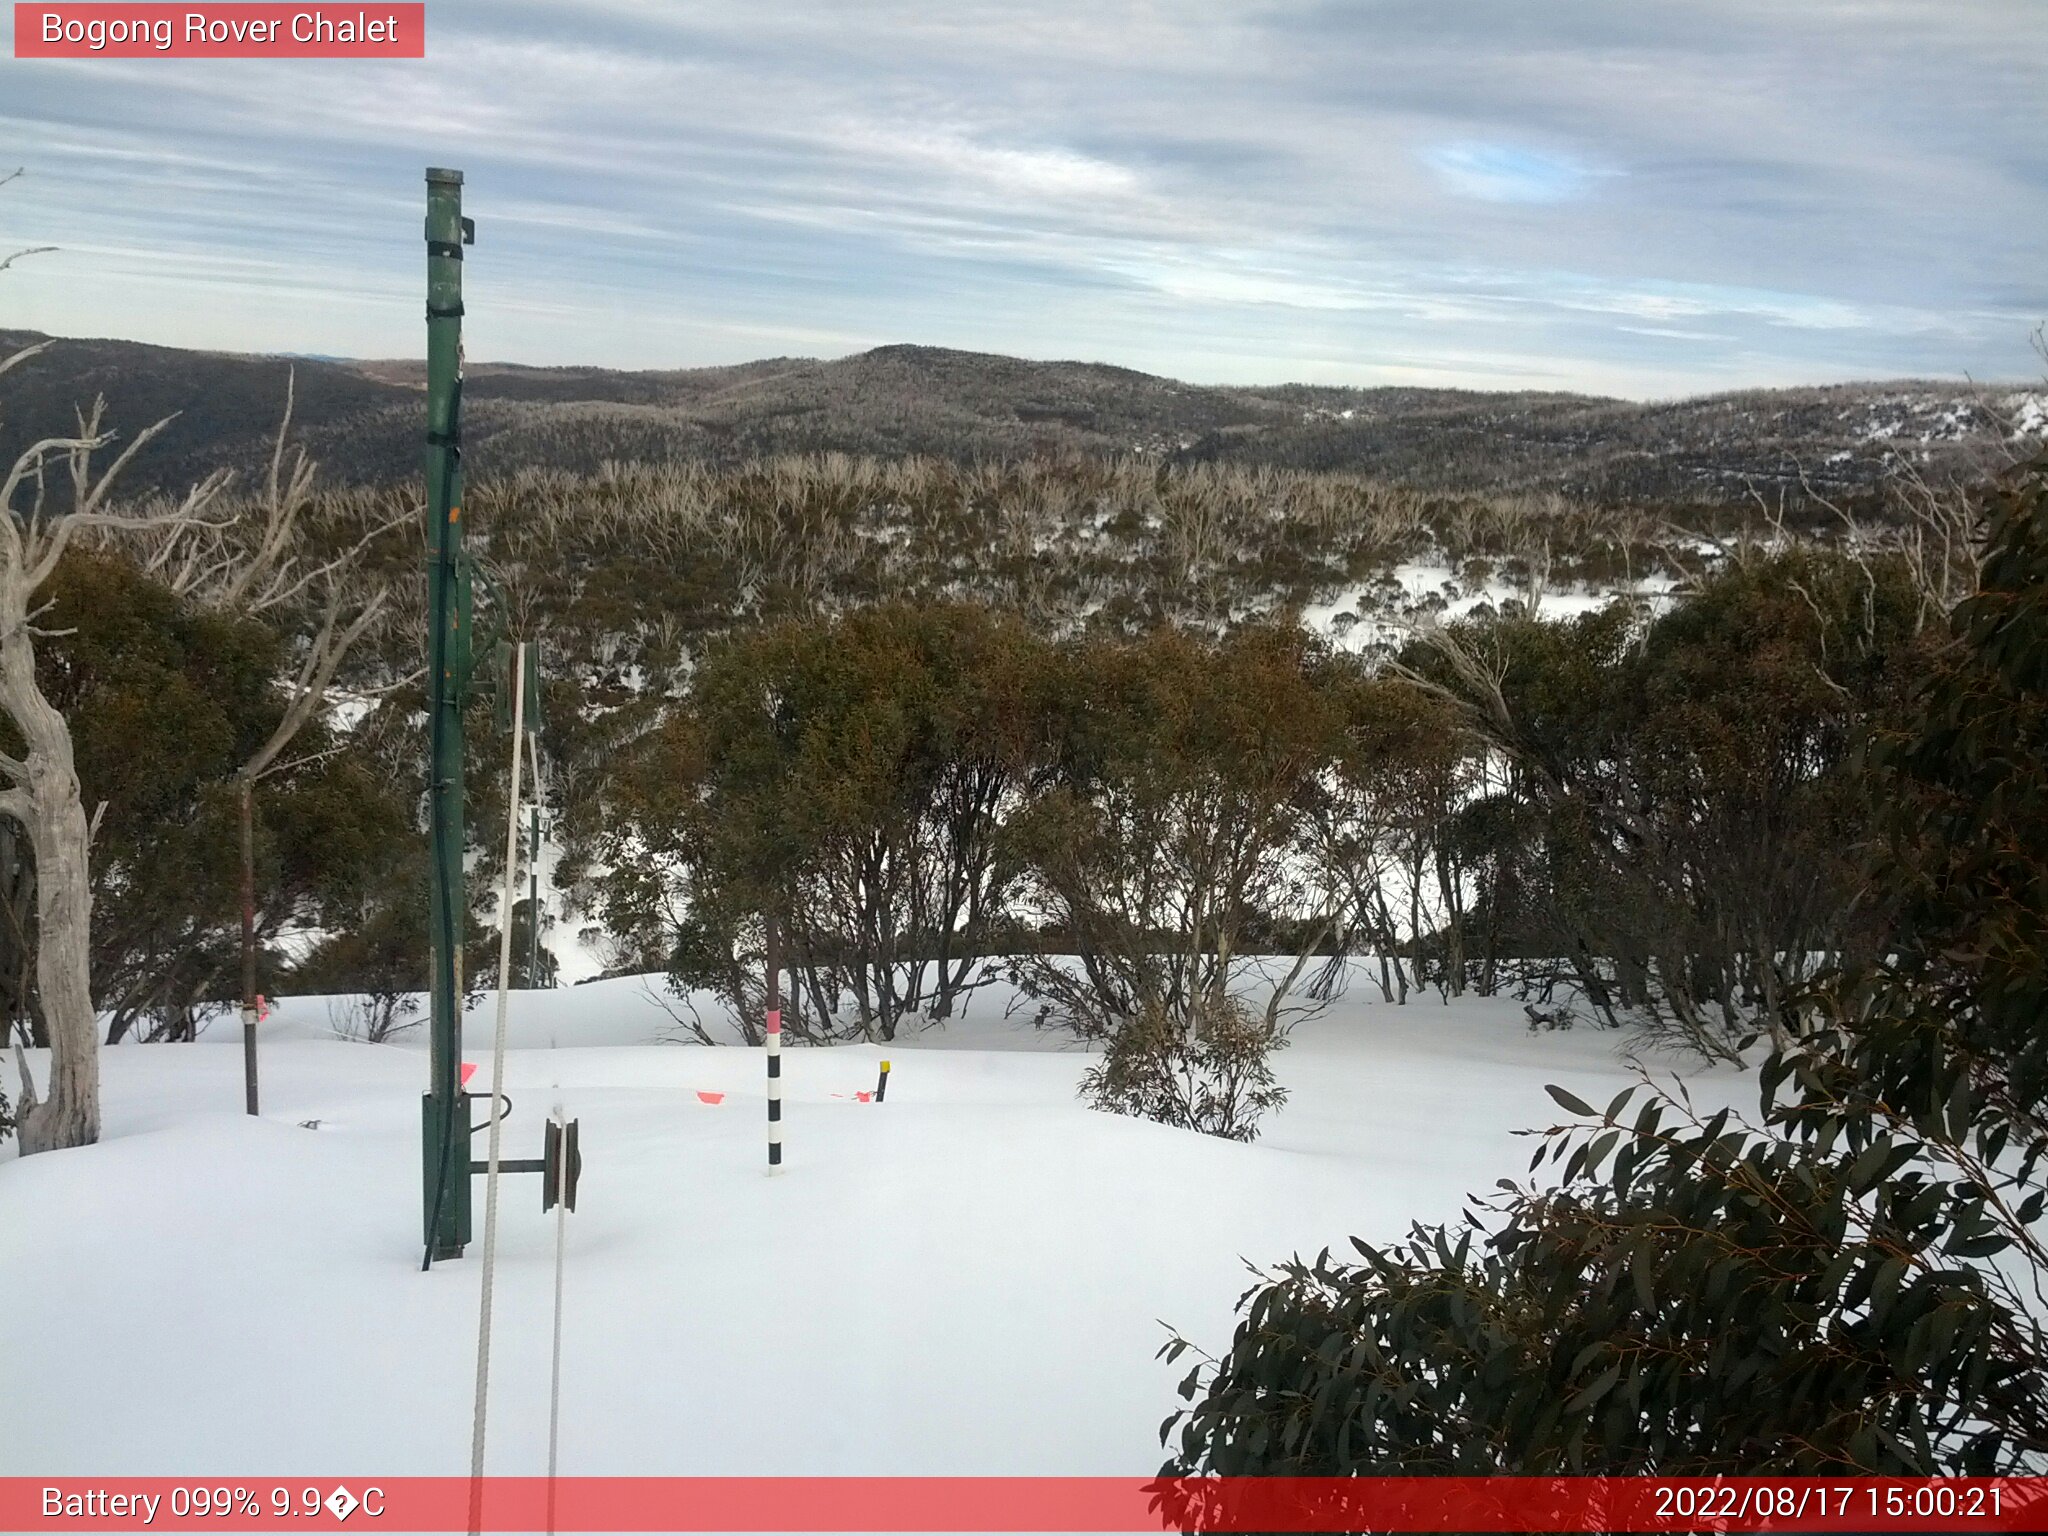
point(1657, 820)
point(1669, 813)
point(942, 715)
point(1851, 1282)
point(629, 576)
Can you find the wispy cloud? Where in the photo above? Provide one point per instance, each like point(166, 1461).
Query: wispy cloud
point(1630, 198)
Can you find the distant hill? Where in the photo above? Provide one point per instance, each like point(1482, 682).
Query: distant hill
point(363, 420)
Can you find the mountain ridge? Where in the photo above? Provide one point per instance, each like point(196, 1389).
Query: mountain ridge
point(360, 417)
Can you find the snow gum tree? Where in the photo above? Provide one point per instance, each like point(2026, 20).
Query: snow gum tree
point(206, 554)
point(1682, 797)
point(1167, 840)
point(1378, 826)
point(848, 778)
point(253, 566)
point(167, 699)
point(37, 765)
point(1168, 848)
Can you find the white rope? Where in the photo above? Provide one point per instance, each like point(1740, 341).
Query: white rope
point(483, 1327)
point(555, 1374)
point(561, 1226)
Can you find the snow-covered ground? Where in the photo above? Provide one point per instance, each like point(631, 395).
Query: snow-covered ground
point(968, 1279)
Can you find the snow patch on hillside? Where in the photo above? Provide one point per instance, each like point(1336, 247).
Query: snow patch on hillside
point(2029, 413)
point(1387, 610)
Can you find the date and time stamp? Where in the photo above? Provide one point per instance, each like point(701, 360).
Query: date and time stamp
point(1683, 1503)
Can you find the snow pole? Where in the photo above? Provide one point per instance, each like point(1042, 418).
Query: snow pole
point(774, 1087)
point(497, 1122)
point(445, 1109)
point(774, 1046)
point(882, 1084)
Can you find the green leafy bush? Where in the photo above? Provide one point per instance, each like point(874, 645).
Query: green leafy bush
point(1695, 1297)
point(1206, 1070)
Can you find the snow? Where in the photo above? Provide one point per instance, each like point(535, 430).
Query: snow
point(347, 710)
point(1385, 611)
point(2029, 415)
point(968, 1279)
point(573, 941)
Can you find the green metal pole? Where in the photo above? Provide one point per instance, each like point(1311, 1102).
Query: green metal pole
point(445, 1142)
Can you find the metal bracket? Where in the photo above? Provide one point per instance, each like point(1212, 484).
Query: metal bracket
point(559, 1145)
point(474, 676)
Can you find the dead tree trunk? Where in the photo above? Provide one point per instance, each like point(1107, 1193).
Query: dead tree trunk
point(45, 799)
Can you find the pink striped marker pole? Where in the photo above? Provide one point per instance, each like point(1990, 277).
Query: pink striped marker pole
point(774, 1047)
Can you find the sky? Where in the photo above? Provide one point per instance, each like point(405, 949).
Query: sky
point(1646, 198)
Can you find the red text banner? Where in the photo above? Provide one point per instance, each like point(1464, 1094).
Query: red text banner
point(1012, 1504)
point(260, 31)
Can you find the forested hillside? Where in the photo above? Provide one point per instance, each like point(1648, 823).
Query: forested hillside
point(362, 421)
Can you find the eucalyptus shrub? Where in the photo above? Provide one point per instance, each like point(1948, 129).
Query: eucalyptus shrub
point(1208, 1069)
point(1696, 1296)
point(1850, 1283)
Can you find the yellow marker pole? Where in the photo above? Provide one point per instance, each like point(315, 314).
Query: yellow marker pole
point(882, 1084)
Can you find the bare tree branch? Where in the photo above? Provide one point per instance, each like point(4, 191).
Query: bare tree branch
point(32, 250)
point(16, 358)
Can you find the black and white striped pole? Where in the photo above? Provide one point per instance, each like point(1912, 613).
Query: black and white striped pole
point(774, 1046)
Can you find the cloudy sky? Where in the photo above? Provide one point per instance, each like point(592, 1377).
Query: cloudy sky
point(1639, 197)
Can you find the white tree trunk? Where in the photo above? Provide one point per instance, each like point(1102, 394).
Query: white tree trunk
point(42, 783)
point(48, 805)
